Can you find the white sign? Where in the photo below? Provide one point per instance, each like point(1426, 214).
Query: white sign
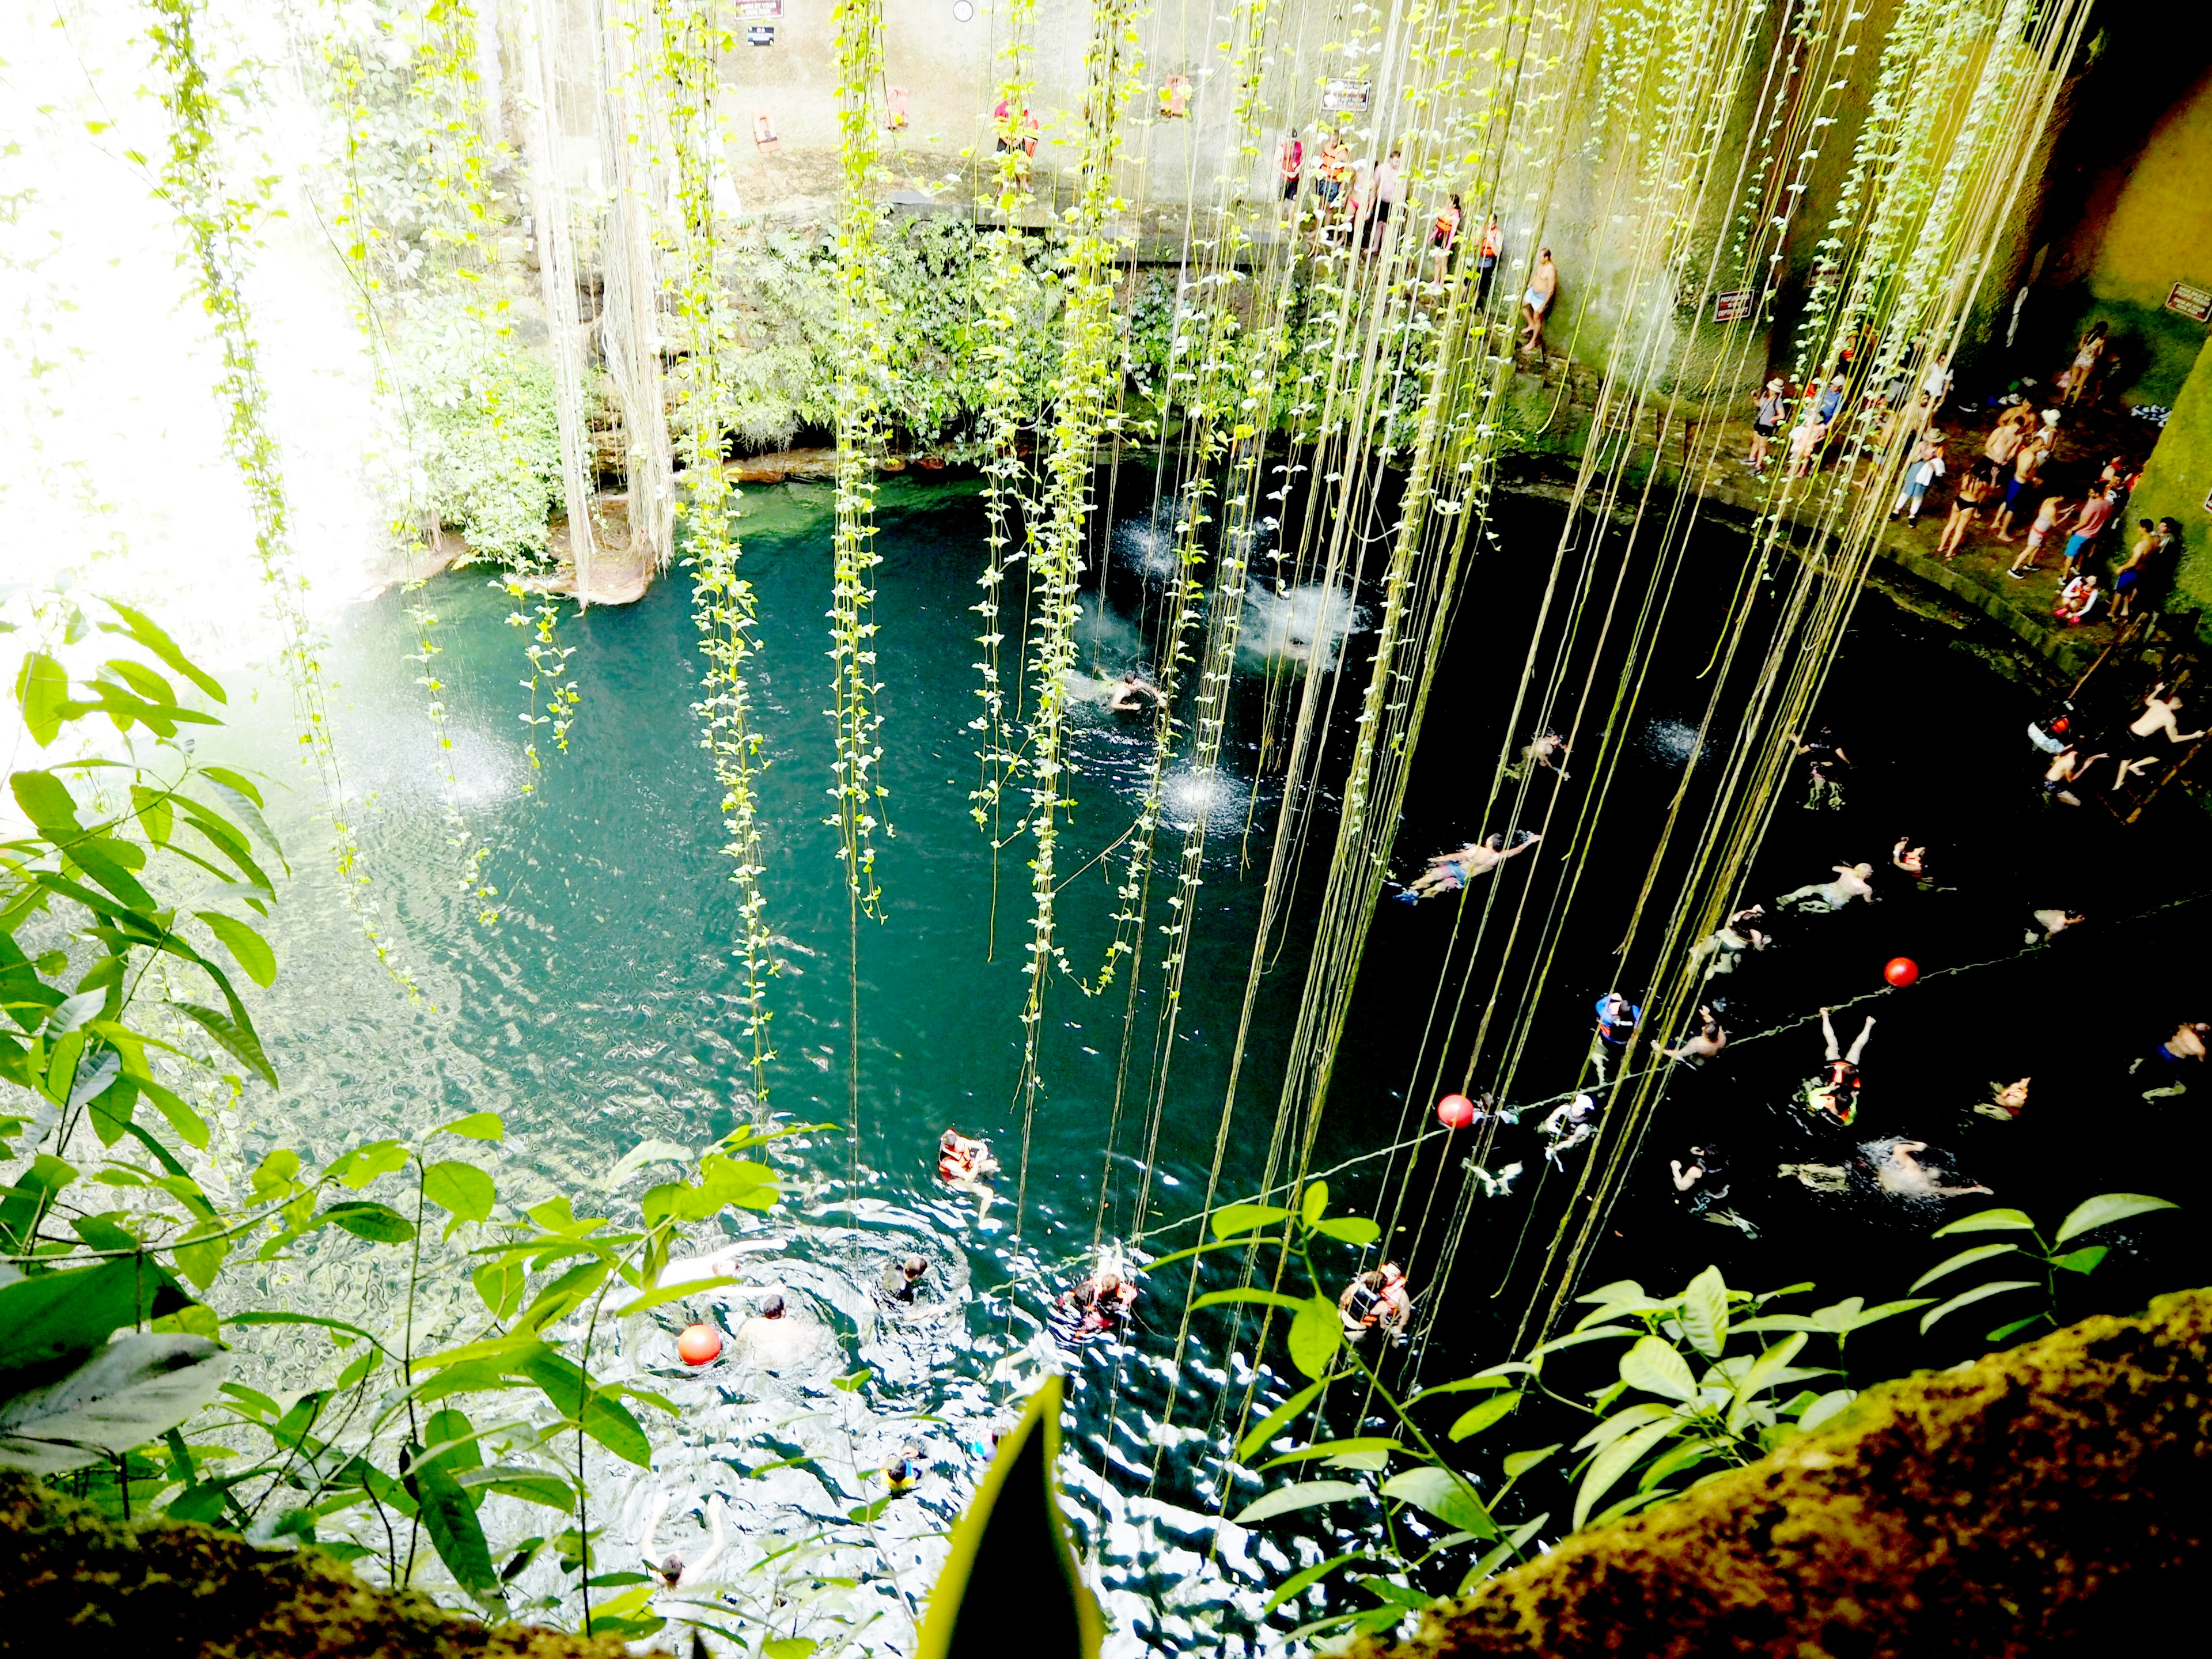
point(1343, 96)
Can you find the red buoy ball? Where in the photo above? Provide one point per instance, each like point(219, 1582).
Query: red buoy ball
point(1901, 971)
point(1454, 1111)
point(699, 1345)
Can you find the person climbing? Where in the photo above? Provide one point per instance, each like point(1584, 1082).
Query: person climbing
point(1377, 1298)
point(1568, 1125)
point(2157, 718)
point(1547, 750)
point(1543, 287)
point(1767, 410)
point(2006, 1102)
point(2189, 1042)
point(1616, 1029)
point(1698, 1185)
point(1449, 872)
point(1721, 949)
point(2067, 769)
point(902, 1280)
point(1133, 691)
point(1826, 763)
point(1836, 1092)
point(1898, 1172)
point(1702, 1041)
point(1850, 882)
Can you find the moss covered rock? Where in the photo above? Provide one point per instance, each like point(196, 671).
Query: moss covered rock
point(74, 1582)
point(2049, 1499)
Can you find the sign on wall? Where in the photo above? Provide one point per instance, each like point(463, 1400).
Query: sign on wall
point(760, 34)
point(1345, 96)
point(754, 10)
point(2190, 301)
point(1733, 306)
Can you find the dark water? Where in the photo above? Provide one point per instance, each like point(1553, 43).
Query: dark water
point(602, 1011)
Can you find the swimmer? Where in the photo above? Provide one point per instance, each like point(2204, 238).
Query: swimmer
point(2188, 1043)
point(1837, 1091)
point(2006, 1102)
point(2157, 718)
point(1376, 1298)
point(1100, 1303)
point(1497, 1185)
point(2067, 769)
point(1826, 763)
point(902, 1279)
point(1133, 692)
point(2050, 924)
point(1850, 882)
point(1616, 1029)
point(964, 1163)
point(1912, 861)
point(1704, 1040)
point(771, 1337)
point(1704, 1167)
point(671, 1570)
point(1547, 751)
point(1721, 950)
point(903, 1471)
point(1820, 1177)
point(1449, 872)
point(1568, 1126)
point(1903, 1176)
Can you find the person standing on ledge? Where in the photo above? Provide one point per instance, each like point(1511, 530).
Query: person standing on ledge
point(1486, 257)
point(1390, 197)
point(1543, 287)
point(1767, 413)
point(2089, 522)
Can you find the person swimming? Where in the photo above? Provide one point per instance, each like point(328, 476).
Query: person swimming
point(1132, 692)
point(1449, 872)
point(1547, 750)
point(2006, 1102)
point(1568, 1125)
point(1826, 763)
point(964, 1163)
point(670, 1570)
point(1912, 861)
point(1098, 1304)
point(2189, 1042)
point(1836, 1090)
point(1851, 882)
point(1698, 1185)
point(2050, 924)
point(1901, 1175)
point(904, 1472)
point(1721, 950)
point(1377, 1299)
point(1702, 1041)
point(902, 1280)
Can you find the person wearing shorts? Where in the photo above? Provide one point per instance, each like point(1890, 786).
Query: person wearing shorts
point(1765, 421)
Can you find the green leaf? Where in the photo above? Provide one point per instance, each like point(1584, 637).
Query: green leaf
point(1314, 1203)
point(1278, 1419)
point(1512, 1545)
point(1370, 1442)
point(500, 1285)
point(378, 1223)
point(1444, 1495)
point(461, 1190)
point(51, 1316)
point(1234, 1219)
point(42, 689)
point(666, 1293)
point(1653, 1364)
point(1015, 1516)
point(190, 1126)
point(1608, 1468)
point(1705, 1313)
point(549, 1492)
point(235, 1035)
point(201, 1251)
point(603, 1418)
point(1306, 1578)
point(1317, 1333)
point(1490, 1410)
point(1824, 1408)
point(365, 1163)
point(1298, 1495)
point(1265, 1298)
point(139, 626)
point(2083, 1261)
point(1967, 1298)
point(47, 803)
point(123, 1395)
point(275, 1316)
point(565, 1294)
point(645, 1153)
point(1765, 1371)
point(25, 1204)
point(2014, 1328)
point(1964, 1259)
point(1988, 1221)
point(2107, 1208)
point(451, 1520)
point(1517, 1464)
point(250, 950)
point(1354, 1229)
point(476, 1126)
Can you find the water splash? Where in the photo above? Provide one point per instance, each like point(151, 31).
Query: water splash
point(1305, 624)
point(1672, 743)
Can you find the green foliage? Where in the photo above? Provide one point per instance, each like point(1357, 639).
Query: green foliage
point(2047, 1260)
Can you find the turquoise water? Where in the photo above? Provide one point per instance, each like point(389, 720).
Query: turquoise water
point(603, 1010)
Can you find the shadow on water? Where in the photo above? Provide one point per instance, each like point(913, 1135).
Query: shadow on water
point(604, 1010)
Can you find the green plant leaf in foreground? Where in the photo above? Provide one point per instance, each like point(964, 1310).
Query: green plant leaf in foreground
point(1298, 1495)
point(1967, 1298)
point(2107, 1208)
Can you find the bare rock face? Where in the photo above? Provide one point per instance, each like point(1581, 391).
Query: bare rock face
point(2053, 1499)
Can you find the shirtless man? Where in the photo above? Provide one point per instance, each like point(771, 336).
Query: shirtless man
point(2158, 716)
point(1723, 948)
point(1449, 872)
point(2189, 1042)
point(1133, 691)
point(1704, 1039)
point(1545, 752)
point(1543, 285)
point(2067, 767)
point(1900, 1173)
point(1826, 763)
point(2052, 923)
point(771, 1338)
point(1850, 882)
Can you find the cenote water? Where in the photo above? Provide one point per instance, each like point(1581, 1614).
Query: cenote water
point(603, 1010)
